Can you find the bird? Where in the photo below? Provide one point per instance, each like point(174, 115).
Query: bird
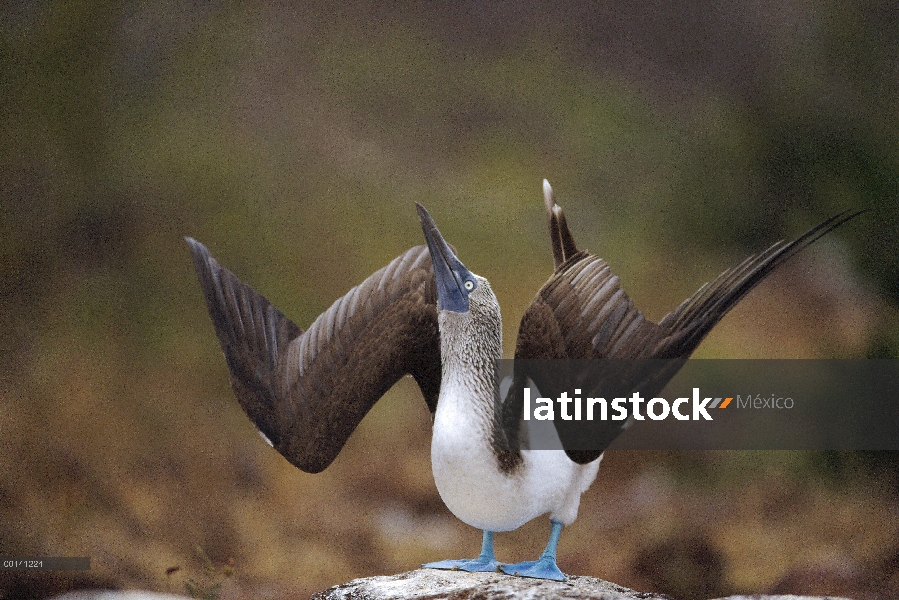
point(426, 315)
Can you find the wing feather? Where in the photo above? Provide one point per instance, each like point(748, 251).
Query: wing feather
point(582, 313)
point(307, 391)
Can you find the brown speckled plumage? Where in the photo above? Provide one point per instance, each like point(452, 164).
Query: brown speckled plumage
point(307, 391)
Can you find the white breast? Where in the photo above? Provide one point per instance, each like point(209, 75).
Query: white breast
point(471, 484)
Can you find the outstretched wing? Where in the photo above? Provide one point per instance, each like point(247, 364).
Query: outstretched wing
point(307, 392)
point(582, 313)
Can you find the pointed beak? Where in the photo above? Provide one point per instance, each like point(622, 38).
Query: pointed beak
point(450, 273)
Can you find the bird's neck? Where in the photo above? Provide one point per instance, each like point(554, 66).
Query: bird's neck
point(470, 345)
point(468, 423)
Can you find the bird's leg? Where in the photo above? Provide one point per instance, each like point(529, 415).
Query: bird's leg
point(545, 567)
point(485, 562)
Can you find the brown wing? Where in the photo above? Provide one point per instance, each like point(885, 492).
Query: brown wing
point(307, 392)
point(582, 313)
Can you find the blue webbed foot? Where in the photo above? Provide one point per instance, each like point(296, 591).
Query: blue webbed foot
point(545, 568)
point(486, 562)
point(473, 565)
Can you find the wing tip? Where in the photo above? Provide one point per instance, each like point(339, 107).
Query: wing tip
point(197, 250)
point(728, 289)
point(818, 231)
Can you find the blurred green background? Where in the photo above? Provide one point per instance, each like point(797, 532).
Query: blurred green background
point(293, 140)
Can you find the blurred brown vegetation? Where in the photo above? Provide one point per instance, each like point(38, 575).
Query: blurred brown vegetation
point(294, 139)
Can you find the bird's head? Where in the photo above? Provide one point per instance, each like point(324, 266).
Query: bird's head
point(456, 285)
point(463, 298)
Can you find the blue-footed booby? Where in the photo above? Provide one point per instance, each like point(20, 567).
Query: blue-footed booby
point(426, 315)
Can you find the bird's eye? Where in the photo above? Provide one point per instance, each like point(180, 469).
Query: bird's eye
point(469, 285)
